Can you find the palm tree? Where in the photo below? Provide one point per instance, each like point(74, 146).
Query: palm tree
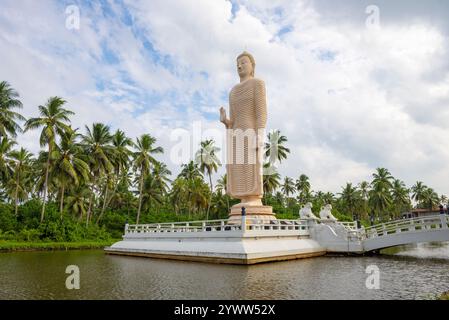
point(303, 187)
point(6, 146)
point(222, 187)
point(143, 159)
point(21, 164)
point(160, 174)
point(208, 162)
point(198, 193)
point(68, 166)
point(271, 181)
point(382, 178)
point(54, 121)
point(78, 200)
point(97, 145)
point(364, 195)
point(350, 197)
point(180, 194)
point(190, 171)
point(400, 195)
point(120, 160)
point(151, 192)
point(288, 186)
point(430, 198)
point(328, 198)
point(8, 118)
point(418, 191)
point(443, 199)
point(379, 198)
point(274, 148)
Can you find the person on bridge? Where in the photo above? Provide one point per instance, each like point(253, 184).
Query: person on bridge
point(441, 209)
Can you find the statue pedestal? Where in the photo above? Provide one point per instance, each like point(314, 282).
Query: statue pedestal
point(260, 212)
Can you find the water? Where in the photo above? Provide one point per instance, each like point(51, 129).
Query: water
point(409, 272)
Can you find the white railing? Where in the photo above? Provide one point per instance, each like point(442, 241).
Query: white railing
point(217, 226)
point(408, 225)
point(351, 225)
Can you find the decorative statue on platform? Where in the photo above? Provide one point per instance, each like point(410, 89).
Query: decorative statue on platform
point(326, 213)
point(245, 141)
point(306, 212)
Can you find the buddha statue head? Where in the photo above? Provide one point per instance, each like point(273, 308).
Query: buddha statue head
point(246, 65)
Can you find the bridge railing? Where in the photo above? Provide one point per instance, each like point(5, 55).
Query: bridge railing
point(218, 226)
point(408, 225)
point(351, 225)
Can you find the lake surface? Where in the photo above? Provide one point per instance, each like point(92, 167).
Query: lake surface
point(410, 272)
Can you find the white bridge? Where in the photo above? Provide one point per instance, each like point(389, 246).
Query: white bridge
point(346, 237)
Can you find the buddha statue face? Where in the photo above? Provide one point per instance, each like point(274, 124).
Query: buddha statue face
point(244, 67)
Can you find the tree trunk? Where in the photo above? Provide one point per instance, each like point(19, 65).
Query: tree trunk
point(16, 197)
point(91, 201)
point(104, 201)
point(210, 197)
point(46, 183)
point(140, 195)
point(115, 190)
point(61, 204)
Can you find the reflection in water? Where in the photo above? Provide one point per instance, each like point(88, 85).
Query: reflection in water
point(409, 272)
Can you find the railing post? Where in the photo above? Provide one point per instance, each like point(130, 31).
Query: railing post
point(443, 221)
point(126, 228)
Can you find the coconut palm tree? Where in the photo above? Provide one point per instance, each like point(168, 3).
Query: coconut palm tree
point(303, 187)
point(151, 192)
point(69, 168)
point(350, 198)
point(208, 162)
point(97, 145)
point(288, 186)
point(430, 199)
point(382, 178)
point(54, 120)
point(143, 158)
point(9, 100)
point(379, 198)
point(179, 194)
point(78, 200)
point(120, 160)
point(274, 148)
point(271, 181)
point(222, 187)
point(364, 195)
point(161, 174)
point(418, 192)
point(6, 146)
point(328, 198)
point(190, 171)
point(198, 194)
point(400, 196)
point(443, 199)
point(18, 186)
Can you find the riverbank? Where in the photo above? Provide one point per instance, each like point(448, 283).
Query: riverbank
point(444, 296)
point(11, 246)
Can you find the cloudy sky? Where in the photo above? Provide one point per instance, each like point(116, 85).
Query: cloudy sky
point(350, 91)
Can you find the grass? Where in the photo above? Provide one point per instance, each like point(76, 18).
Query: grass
point(9, 246)
point(445, 296)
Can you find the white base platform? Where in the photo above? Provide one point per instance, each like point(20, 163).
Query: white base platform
point(232, 247)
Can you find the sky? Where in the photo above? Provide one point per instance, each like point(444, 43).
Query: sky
point(354, 85)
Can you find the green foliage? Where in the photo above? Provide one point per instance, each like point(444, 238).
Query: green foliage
point(8, 220)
